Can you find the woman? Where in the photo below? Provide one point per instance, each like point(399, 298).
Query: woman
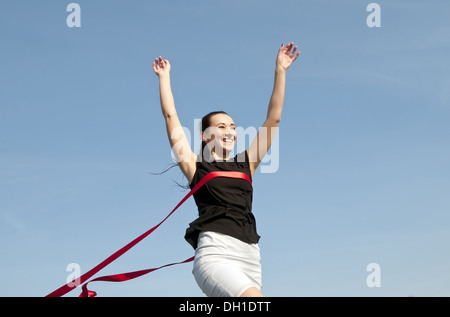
point(227, 256)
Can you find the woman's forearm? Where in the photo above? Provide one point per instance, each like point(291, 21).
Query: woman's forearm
point(277, 99)
point(166, 96)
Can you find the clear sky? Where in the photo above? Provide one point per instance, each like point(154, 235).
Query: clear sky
point(364, 150)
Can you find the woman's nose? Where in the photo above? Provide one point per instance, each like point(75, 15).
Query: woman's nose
point(229, 132)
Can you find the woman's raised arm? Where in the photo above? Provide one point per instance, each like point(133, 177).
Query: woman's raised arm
point(260, 146)
point(181, 149)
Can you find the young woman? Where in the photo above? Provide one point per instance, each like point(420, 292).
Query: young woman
point(227, 256)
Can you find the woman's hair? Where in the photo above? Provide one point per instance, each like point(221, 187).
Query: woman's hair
point(205, 124)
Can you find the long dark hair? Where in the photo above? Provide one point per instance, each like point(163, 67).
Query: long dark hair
point(205, 123)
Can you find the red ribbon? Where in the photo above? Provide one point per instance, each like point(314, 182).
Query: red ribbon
point(131, 275)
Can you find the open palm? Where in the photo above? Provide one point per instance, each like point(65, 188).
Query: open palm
point(286, 55)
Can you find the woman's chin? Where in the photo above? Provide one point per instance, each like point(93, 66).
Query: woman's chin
point(228, 148)
point(225, 150)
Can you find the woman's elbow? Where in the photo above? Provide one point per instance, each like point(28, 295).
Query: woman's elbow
point(273, 121)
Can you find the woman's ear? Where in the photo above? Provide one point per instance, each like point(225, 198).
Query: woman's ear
point(203, 137)
point(207, 135)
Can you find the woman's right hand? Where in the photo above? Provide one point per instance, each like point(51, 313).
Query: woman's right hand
point(161, 66)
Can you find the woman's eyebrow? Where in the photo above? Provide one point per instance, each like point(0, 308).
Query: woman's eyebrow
point(232, 124)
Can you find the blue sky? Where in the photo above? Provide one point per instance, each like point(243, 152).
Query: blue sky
point(363, 177)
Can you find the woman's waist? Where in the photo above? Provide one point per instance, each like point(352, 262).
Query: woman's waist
point(210, 242)
point(234, 211)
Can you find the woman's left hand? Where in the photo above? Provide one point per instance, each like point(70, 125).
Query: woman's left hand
point(286, 55)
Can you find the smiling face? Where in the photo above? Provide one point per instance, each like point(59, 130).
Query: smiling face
point(220, 135)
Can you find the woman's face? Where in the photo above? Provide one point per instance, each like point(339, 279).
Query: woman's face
point(222, 132)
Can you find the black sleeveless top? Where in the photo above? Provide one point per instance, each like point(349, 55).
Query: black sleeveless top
point(224, 204)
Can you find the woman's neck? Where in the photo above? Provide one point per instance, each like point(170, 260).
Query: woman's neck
point(218, 157)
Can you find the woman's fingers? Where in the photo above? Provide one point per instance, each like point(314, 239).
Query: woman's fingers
point(289, 47)
point(293, 51)
point(159, 63)
point(162, 62)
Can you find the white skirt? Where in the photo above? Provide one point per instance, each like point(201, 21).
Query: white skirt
point(225, 266)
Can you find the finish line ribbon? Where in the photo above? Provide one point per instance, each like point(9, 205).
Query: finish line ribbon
point(131, 275)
